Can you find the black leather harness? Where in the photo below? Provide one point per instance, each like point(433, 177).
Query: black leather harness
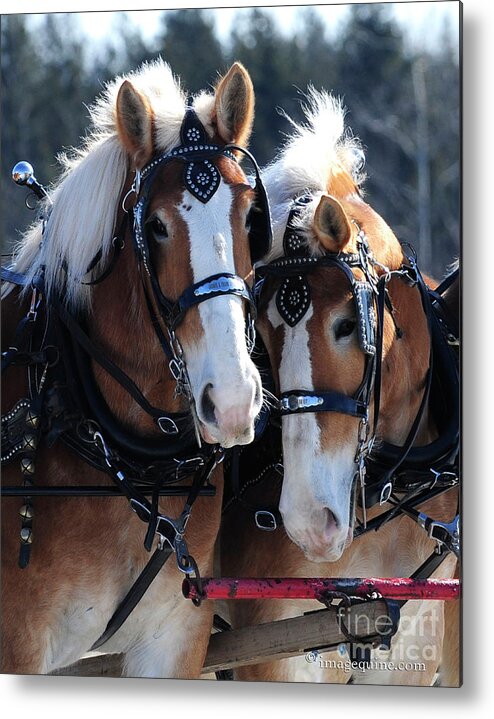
point(406, 476)
point(65, 402)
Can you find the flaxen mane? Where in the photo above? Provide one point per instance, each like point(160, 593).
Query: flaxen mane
point(85, 198)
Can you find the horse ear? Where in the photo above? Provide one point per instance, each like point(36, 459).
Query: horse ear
point(234, 105)
point(135, 123)
point(331, 224)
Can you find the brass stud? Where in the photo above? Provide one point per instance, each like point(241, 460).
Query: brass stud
point(26, 535)
point(27, 466)
point(32, 419)
point(26, 511)
point(29, 441)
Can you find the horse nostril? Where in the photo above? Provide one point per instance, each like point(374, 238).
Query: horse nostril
point(331, 518)
point(331, 525)
point(207, 406)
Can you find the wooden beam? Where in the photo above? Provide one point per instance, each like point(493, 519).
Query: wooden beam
point(93, 665)
point(292, 637)
point(261, 643)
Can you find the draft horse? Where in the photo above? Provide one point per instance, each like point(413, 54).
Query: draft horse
point(368, 404)
point(127, 330)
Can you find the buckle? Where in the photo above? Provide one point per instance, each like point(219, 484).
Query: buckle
point(451, 478)
point(224, 285)
point(447, 534)
point(167, 425)
point(265, 520)
point(189, 465)
point(177, 543)
point(386, 493)
point(295, 402)
point(176, 368)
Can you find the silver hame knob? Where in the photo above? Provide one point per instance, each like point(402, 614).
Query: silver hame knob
point(22, 173)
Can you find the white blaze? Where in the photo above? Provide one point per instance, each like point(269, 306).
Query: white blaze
point(314, 480)
point(220, 358)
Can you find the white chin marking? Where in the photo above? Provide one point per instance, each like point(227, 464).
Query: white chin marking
point(313, 485)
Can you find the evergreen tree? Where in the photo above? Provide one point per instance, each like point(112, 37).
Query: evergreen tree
point(317, 60)
point(124, 50)
point(375, 80)
point(442, 79)
point(404, 105)
point(272, 62)
point(189, 44)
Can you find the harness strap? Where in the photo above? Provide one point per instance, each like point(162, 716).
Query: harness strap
point(418, 498)
point(218, 285)
point(267, 517)
point(21, 339)
point(118, 245)
point(85, 402)
point(442, 309)
point(164, 343)
point(113, 370)
point(15, 278)
point(135, 594)
point(426, 569)
point(381, 490)
point(447, 282)
point(158, 559)
point(380, 305)
point(25, 328)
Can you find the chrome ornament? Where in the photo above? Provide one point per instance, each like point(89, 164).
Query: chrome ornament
point(23, 173)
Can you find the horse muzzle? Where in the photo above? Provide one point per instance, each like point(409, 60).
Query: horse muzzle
point(227, 417)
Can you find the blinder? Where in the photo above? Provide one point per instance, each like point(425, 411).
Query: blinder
point(366, 316)
point(293, 296)
point(260, 230)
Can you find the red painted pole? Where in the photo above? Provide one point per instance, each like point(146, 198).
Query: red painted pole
point(315, 588)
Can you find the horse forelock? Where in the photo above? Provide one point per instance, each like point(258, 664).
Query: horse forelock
point(86, 196)
point(320, 155)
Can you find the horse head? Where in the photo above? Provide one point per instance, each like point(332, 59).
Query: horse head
point(317, 319)
point(164, 168)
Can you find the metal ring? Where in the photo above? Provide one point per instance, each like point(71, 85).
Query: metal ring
point(26, 201)
point(90, 427)
point(386, 493)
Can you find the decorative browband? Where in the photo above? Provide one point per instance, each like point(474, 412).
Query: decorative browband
point(293, 296)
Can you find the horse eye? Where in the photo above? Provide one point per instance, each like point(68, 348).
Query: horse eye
point(344, 328)
point(158, 228)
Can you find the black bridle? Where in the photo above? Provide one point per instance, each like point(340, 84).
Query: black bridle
point(377, 478)
point(65, 401)
point(201, 179)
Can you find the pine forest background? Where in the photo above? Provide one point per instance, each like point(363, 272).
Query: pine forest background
point(403, 103)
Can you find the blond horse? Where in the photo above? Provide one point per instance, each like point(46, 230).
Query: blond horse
point(86, 552)
point(315, 348)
